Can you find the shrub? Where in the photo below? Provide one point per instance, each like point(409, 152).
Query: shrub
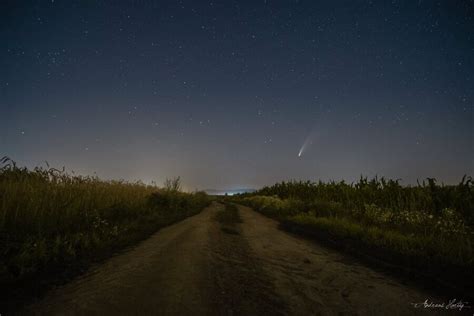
point(429, 222)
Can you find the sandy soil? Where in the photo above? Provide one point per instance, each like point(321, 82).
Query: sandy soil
point(202, 267)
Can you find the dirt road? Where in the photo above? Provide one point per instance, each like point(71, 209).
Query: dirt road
point(202, 267)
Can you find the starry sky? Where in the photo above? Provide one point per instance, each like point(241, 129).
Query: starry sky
point(239, 94)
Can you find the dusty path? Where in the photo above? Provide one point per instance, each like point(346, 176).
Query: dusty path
point(199, 267)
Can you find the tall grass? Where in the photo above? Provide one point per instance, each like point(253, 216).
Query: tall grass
point(49, 218)
point(427, 226)
point(427, 196)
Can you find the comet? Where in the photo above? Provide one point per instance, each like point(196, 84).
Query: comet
point(313, 136)
point(316, 131)
point(302, 149)
point(306, 142)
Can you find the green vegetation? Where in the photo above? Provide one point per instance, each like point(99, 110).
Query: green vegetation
point(427, 227)
point(51, 220)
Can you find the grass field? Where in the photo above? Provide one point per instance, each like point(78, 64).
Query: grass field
point(51, 220)
point(428, 227)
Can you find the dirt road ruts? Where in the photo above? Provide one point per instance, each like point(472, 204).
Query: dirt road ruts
point(199, 267)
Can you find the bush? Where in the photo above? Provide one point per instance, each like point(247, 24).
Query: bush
point(386, 194)
point(429, 223)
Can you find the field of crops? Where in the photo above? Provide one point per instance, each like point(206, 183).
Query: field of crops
point(426, 227)
point(51, 220)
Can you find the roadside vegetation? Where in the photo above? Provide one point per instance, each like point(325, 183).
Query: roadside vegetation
point(52, 222)
point(428, 228)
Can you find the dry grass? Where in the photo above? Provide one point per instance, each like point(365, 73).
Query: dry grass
point(49, 218)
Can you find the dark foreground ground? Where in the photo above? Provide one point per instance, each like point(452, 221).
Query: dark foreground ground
point(202, 266)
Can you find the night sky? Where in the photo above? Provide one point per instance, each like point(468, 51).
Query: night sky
point(232, 94)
